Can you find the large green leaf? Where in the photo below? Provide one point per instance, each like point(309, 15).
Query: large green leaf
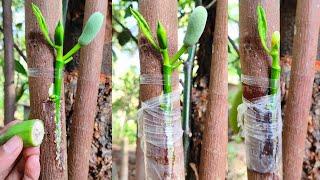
point(20, 68)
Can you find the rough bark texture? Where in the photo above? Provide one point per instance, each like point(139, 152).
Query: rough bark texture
point(215, 136)
point(300, 90)
point(151, 63)
point(82, 125)
point(287, 21)
point(9, 87)
point(254, 60)
point(101, 148)
point(41, 56)
point(101, 159)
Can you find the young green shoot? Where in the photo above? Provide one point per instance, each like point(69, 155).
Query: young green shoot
point(195, 29)
point(30, 131)
point(91, 29)
point(274, 51)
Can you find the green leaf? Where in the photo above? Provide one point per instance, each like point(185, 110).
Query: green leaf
point(59, 34)
point(262, 27)
point(42, 23)
point(144, 27)
point(21, 90)
point(20, 68)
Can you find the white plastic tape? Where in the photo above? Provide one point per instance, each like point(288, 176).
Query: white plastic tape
point(261, 124)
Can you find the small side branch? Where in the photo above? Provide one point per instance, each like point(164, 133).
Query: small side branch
point(125, 28)
point(16, 47)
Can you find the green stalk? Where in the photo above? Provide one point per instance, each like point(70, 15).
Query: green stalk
point(275, 67)
point(181, 51)
point(186, 104)
point(167, 107)
point(30, 131)
point(72, 52)
point(275, 73)
point(58, 80)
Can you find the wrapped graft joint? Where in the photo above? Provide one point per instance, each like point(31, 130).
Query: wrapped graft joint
point(261, 124)
point(161, 134)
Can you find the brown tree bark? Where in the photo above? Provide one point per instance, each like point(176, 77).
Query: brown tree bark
point(215, 136)
point(41, 56)
point(86, 99)
point(9, 87)
point(287, 22)
point(254, 60)
point(300, 90)
point(151, 64)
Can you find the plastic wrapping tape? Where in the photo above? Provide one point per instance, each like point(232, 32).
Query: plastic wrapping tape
point(158, 127)
point(44, 72)
point(261, 124)
point(154, 79)
point(161, 133)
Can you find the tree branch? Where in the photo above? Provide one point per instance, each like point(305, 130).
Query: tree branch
point(234, 45)
point(16, 47)
point(125, 28)
point(210, 4)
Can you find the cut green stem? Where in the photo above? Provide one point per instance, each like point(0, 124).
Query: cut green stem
point(176, 57)
point(74, 50)
point(30, 131)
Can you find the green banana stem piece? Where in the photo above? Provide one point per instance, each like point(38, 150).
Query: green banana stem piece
point(30, 131)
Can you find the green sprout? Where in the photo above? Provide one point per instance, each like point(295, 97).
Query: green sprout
point(274, 52)
point(90, 31)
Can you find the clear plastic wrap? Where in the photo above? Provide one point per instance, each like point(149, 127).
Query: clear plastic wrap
point(161, 134)
point(45, 72)
point(261, 124)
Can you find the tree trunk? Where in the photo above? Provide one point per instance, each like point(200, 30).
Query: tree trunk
point(254, 60)
point(151, 64)
point(41, 58)
point(215, 136)
point(300, 90)
point(200, 90)
point(9, 88)
point(86, 99)
point(287, 22)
